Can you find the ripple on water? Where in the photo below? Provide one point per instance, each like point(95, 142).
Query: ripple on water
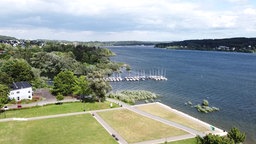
point(226, 80)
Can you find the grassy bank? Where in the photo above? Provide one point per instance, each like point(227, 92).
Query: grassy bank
point(136, 128)
point(165, 113)
point(65, 130)
point(55, 109)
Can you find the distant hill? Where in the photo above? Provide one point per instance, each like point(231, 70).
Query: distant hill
point(228, 44)
point(7, 38)
point(120, 43)
point(130, 43)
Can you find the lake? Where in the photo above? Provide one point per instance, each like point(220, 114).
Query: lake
point(226, 80)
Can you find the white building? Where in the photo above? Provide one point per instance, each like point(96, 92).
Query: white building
point(20, 91)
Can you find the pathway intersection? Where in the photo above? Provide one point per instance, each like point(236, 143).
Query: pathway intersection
point(111, 131)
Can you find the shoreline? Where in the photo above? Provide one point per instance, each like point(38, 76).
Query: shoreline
point(217, 130)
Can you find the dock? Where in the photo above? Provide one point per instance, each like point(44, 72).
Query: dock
point(156, 75)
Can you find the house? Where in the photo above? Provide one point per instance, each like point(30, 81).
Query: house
point(21, 90)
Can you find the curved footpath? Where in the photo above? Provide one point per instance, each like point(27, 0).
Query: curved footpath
point(110, 130)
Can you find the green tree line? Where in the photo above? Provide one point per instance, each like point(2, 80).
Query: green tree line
point(247, 45)
point(234, 136)
point(78, 63)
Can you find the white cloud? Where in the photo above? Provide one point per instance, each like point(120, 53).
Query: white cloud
point(45, 33)
point(126, 19)
point(238, 1)
point(250, 11)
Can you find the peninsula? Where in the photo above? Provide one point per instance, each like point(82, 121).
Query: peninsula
point(246, 45)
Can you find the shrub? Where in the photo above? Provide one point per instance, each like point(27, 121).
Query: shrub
point(133, 95)
point(205, 103)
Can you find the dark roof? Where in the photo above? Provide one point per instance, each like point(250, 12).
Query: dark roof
point(20, 85)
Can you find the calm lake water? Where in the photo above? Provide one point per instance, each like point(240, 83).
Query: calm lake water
point(226, 80)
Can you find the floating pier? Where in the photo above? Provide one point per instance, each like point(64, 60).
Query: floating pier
point(157, 75)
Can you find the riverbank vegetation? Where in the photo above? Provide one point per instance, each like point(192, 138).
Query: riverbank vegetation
point(131, 96)
point(203, 107)
point(234, 136)
point(46, 63)
point(247, 45)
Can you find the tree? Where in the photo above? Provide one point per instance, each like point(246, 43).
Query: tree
point(39, 82)
point(18, 70)
point(213, 139)
point(99, 89)
point(59, 97)
point(64, 83)
point(236, 135)
point(4, 92)
point(5, 79)
point(82, 87)
point(53, 63)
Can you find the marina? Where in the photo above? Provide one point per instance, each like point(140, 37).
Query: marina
point(155, 74)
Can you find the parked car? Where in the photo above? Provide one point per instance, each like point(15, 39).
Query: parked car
point(19, 106)
point(6, 108)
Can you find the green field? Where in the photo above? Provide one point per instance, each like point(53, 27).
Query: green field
point(64, 130)
point(55, 109)
point(162, 112)
point(136, 128)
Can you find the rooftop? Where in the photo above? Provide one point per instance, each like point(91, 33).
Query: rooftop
point(20, 85)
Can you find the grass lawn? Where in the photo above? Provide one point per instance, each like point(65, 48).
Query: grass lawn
point(136, 128)
point(165, 113)
point(55, 109)
point(65, 130)
point(187, 141)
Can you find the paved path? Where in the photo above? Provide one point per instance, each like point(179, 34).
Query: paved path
point(109, 129)
point(42, 117)
point(55, 116)
point(170, 123)
point(169, 139)
point(192, 132)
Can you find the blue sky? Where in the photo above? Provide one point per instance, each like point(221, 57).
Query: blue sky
point(109, 20)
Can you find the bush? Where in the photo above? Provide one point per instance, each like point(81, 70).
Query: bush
point(236, 135)
point(59, 97)
point(205, 103)
point(133, 95)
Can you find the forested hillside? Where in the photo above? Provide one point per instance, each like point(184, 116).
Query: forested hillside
point(232, 44)
point(6, 38)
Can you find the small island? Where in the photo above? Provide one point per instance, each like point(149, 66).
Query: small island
point(203, 107)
